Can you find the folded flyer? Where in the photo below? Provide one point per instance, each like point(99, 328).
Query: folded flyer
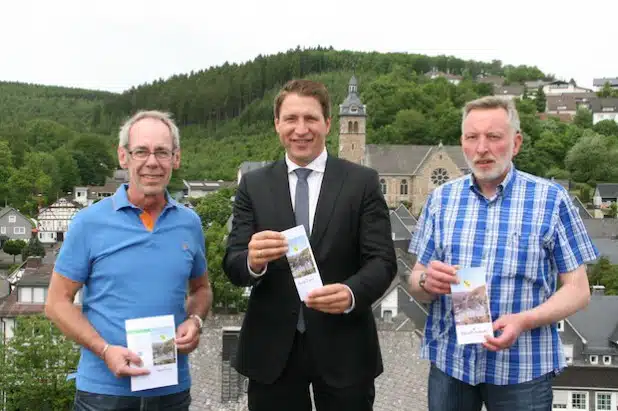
point(302, 261)
point(471, 306)
point(153, 340)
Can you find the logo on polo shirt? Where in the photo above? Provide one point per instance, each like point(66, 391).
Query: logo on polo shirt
point(185, 246)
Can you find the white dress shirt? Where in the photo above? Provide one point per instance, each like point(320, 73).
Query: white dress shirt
point(314, 181)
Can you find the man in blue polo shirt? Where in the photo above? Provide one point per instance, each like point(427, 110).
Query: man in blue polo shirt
point(135, 254)
point(527, 235)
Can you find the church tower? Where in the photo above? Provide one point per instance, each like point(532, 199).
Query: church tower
point(352, 121)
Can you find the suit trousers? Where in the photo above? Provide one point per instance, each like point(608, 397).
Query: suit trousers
point(291, 390)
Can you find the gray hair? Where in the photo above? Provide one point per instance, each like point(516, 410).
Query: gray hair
point(491, 102)
point(166, 118)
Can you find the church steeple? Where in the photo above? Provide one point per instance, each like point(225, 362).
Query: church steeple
point(352, 105)
point(352, 122)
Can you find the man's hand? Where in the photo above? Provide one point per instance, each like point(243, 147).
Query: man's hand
point(331, 299)
point(187, 336)
point(440, 276)
point(264, 247)
point(511, 326)
point(118, 358)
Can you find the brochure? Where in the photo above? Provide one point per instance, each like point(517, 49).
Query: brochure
point(302, 261)
point(153, 339)
point(471, 306)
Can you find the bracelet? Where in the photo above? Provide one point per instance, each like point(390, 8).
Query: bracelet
point(104, 351)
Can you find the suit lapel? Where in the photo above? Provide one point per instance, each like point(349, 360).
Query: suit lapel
point(329, 191)
point(280, 188)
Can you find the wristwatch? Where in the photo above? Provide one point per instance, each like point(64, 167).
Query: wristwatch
point(421, 280)
point(199, 320)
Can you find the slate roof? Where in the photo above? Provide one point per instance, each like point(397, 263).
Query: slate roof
point(399, 228)
point(402, 211)
point(404, 159)
point(607, 248)
point(601, 227)
point(9, 307)
point(516, 90)
point(597, 323)
point(247, 166)
point(402, 385)
point(600, 82)
point(604, 105)
point(606, 190)
point(7, 210)
point(587, 377)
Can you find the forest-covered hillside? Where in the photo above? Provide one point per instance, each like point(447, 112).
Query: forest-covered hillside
point(53, 138)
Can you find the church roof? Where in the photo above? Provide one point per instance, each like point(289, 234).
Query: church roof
point(407, 159)
point(352, 105)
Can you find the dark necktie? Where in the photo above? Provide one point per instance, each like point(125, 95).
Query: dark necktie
point(301, 211)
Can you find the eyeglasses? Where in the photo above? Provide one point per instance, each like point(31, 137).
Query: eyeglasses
point(141, 154)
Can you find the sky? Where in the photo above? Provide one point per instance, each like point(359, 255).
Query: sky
point(114, 45)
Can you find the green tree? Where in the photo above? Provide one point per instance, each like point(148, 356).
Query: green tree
point(541, 100)
point(215, 207)
point(227, 297)
point(33, 249)
point(13, 247)
point(606, 127)
point(592, 158)
point(36, 362)
point(583, 118)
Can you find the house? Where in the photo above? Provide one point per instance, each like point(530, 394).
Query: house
point(590, 342)
point(87, 195)
point(553, 87)
point(200, 188)
point(406, 217)
point(399, 231)
point(451, 78)
point(604, 109)
point(514, 91)
point(15, 225)
point(605, 194)
point(27, 293)
point(247, 166)
point(599, 83)
point(568, 103)
point(53, 221)
point(496, 81)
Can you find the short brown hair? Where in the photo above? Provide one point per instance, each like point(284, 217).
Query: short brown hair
point(305, 88)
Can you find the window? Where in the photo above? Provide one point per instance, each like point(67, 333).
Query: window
point(19, 230)
point(607, 359)
point(388, 316)
point(561, 400)
point(439, 176)
point(353, 109)
point(12, 219)
point(560, 325)
point(579, 401)
point(2, 230)
point(568, 353)
point(594, 359)
point(25, 295)
point(383, 185)
point(349, 126)
point(356, 127)
point(403, 187)
point(604, 401)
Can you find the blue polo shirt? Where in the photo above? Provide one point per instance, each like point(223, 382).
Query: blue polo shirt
point(128, 272)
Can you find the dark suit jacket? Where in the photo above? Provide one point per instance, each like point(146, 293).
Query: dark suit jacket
point(351, 240)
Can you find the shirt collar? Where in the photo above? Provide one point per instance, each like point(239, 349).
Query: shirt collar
point(502, 188)
point(318, 164)
point(121, 200)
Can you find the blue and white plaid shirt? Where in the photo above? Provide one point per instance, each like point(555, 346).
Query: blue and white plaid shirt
point(524, 236)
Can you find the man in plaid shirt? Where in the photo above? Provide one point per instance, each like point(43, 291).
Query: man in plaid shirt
point(526, 233)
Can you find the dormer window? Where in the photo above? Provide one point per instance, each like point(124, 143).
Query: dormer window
point(594, 359)
point(353, 109)
point(12, 219)
point(607, 359)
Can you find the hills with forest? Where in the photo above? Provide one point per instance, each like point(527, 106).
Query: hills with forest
point(53, 138)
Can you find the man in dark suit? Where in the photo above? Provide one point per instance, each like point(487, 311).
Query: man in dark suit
point(330, 340)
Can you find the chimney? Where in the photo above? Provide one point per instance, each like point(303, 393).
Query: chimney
point(34, 262)
point(233, 385)
point(598, 290)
